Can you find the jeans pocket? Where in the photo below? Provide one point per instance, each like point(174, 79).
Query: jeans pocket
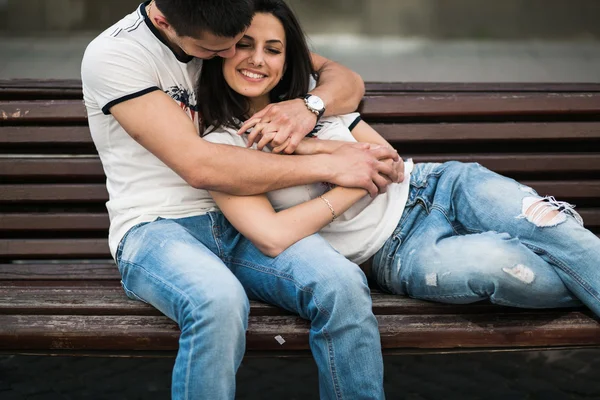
point(124, 239)
point(383, 263)
point(132, 295)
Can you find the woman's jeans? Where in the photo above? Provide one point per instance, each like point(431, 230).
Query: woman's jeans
point(469, 234)
point(200, 272)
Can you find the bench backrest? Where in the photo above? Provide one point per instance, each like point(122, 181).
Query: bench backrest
point(52, 191)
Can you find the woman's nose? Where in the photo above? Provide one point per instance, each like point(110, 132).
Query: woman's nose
point(256, 59)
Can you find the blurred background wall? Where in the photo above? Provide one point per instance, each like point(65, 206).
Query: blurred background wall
point(439, 19)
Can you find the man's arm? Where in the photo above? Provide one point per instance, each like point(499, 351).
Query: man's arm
point(156, 122)
point(340, 88)
point(290, 121)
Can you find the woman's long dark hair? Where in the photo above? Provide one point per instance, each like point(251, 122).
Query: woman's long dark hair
point(222, 106)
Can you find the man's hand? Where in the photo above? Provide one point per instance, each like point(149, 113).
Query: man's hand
point(282, 126)
point(366, 166)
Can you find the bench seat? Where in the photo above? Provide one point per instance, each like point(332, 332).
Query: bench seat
point(60, 291)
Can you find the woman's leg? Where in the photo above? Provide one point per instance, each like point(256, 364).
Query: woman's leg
point(485, 201)
point(313, 280)
point(458, 243)
point(171, 264)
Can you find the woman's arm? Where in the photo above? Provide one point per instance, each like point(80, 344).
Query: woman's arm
point(272, 232)
point(362, 132)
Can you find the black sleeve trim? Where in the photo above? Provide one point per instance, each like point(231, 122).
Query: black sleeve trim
point(106, 108)
point(354, 123)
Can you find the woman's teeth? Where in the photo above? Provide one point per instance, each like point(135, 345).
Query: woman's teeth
point(252, 74)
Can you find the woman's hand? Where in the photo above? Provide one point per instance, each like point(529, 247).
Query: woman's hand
point(281, 125)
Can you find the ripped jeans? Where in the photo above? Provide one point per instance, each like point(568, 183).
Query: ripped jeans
point(468, 234)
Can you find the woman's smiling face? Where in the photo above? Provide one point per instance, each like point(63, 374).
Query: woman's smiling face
point(259, 61)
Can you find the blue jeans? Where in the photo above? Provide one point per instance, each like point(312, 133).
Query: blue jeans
point(200, 272)
point(469, 234)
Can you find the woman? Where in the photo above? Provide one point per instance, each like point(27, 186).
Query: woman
point(455, 233)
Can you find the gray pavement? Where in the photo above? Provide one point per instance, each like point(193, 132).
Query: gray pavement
point(375, 58)
point(549, 375)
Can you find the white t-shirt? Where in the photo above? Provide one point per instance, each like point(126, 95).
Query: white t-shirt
point(362, 230)
point(126, 61)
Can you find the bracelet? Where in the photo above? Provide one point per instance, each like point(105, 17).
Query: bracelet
point(333, 216)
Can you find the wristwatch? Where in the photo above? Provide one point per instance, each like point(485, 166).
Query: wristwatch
point(315, 105)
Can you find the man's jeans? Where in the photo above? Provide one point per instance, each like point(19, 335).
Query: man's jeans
point(468, 234)
point(200, 272)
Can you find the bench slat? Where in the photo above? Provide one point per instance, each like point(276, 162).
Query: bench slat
point(59, 88)
point(522, 163)
point(54, 248)
point(58, 248)
point(54, 222)
point(579, 189)
point(453, 87)
point(35, 135)
point(158, 333)
point(46, 272)
point(373, 106)
point(24, 222)
point(52, 111)
point(481, 132)
point(55, 192)
point(111, 300)
point(474, 104)
point(19, 166)
point(519, 131)
point(78, 168)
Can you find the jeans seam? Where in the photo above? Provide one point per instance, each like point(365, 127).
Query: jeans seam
point(182, 294)
point(445, 214)
point(216, 234)
point(405, 215)
point(189, 366)
point(270, 271)
point(449, 296)
point(566, 269)
point(161, 281)
point(499, 302)
point(332, 368)
point(425, 180)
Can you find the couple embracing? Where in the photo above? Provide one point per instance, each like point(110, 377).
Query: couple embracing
point(237, 169)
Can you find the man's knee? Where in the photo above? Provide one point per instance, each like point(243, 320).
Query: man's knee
point(225, 305)
point(343, 286)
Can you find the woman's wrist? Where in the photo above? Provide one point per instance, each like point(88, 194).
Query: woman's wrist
point(312, 146)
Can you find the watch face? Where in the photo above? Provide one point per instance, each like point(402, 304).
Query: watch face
point(315, 102)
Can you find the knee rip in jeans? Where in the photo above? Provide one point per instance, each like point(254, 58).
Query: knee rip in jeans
point(547, 211)
point(522, 273)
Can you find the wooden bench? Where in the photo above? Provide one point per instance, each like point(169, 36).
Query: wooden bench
point(60, 291)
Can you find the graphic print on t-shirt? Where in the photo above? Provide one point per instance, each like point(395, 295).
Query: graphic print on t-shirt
point(185, 99)
point(317, 128)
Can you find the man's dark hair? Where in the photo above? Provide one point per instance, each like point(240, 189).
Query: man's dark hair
point(222, 106)
point(225, 18)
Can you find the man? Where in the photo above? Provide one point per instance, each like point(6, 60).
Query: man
point(172, 249)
